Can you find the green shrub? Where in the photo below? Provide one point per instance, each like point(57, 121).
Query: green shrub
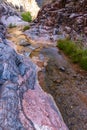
point(26, 16)
point(76, 53)
point(26, 28)
point(67, 46)
point(83, 62)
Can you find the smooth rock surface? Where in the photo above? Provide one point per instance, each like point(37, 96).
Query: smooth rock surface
point(14, 20)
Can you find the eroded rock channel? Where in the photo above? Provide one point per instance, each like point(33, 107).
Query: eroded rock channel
point(23, 103)
point(64, 81)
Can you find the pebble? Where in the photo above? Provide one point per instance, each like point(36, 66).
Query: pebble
point(62, 69)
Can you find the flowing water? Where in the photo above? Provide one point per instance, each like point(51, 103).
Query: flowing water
point(66, 82)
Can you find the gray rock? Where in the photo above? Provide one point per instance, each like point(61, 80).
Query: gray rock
point(62, 69)
point(22, 69)
point(1, 70)
point(23, 42)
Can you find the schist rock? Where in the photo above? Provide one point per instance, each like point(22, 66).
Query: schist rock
point(23, 104)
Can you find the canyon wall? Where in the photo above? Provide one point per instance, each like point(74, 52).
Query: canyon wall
point(23, 104)
point(26, 5)
point(29, 5)
point(63, 19)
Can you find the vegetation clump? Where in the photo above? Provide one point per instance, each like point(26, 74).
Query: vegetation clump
point(76, 53)
point(26, 16)
point(26, 28)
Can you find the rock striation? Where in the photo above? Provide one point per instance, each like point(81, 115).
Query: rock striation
point(63, 18)
point(23, 104)
point(27, 5)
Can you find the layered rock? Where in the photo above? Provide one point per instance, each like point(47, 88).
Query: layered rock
point(23, 104)
point(63, 18)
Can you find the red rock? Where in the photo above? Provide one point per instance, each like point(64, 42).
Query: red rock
point(40, 108)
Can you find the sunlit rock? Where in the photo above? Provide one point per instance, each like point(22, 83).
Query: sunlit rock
point(27, 5)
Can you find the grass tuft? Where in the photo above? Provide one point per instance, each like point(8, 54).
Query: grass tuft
point(76, 53)
point(26, 28)
point(26, 16)
point(83, 62)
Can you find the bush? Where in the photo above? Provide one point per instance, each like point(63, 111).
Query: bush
point(26, 16)
point(76, 53)
point(26, 28)
point(83, 62)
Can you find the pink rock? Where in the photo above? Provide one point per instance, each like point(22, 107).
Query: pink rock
point(41, 109)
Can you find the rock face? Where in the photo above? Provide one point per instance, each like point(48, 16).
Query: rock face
point(9, 15)
point(66, 18)
point(43, 2)
point(27, 5)
point(23, 104)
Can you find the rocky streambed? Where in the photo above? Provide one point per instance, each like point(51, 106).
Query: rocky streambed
point(66, 82)
point(30, 61)
point(23, 103)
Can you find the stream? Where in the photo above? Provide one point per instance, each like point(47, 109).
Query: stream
point(66, 82)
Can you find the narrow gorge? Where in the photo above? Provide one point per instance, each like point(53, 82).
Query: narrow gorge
point(40, 88)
